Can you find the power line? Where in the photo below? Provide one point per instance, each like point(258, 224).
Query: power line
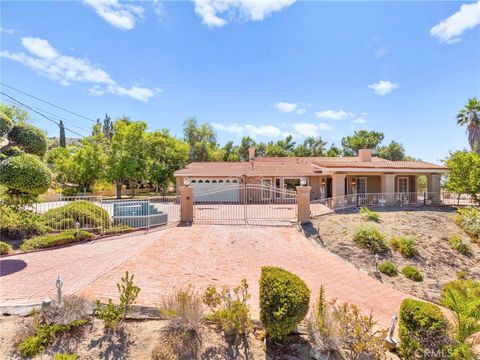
point(47, 102)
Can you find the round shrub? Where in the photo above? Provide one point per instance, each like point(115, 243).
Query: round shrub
point(5, 248)
point(6, 124)
point(284, 299)
point(26, 174)
point(29, 138)
point(412, 273)
point(85, 212)
point(369, 237)
point(388, 268)
point(422, 329)
point(405, 245)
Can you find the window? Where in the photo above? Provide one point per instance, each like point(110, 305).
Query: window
point(214, 181)
point(291, 184)
point(194, 181)
point(220, 181)
point(403, 184)
point(207, 181)
point(361, 185)
point(278, 186)
point(266, 189)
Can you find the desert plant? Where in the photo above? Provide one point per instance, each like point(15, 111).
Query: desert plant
point(369, 237)
point(405, 245)
point(369, 215)
point(50, 240)
point(284, 299)
point(184, 309)
point(5, 248)
point(469, 220)
point(73, 356)
point(458, 243)
point(86, 213)
point(73, 308)
point(229, 308)
point(388, 268)
point(422, 329)
point(109, 313)
point(412, 273)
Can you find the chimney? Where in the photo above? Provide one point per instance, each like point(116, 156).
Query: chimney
point(251, 153)
point(365, 155)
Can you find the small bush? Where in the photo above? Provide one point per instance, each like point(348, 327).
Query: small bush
point(229, 308)
point(109, 313)
point(469, 220)
point(388, 268)
point(84, 212)
point(5, 248)
point(73, 308)
point(369, 215)
point(118, 229)
point(369, 237)
point(50, 240)
point(412, 273)
point(284, 299)
point(422, 328)
point(405, 245)
point(458, 243)
point(18, 224)
point(66, 357)
point(184, 310)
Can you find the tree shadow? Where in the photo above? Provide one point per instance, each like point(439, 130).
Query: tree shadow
point(11, 266)
point(237, 347)
point(293, 346)
point(112, 344)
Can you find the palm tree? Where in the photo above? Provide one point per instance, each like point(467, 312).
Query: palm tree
point(470, 116)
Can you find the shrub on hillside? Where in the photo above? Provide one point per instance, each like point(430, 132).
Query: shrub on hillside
point(50, 240)
point(458, 243)
point(422, 329)
point(19, 224)
point(412, 273)
point(369, 237)
point(469, 220)
point(388, 268)
point(369, 215)
point(5, 248)
point(284, 299)
point(85, 212)
point(405, 245)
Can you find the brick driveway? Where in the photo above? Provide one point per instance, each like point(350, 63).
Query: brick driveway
point(199, 255)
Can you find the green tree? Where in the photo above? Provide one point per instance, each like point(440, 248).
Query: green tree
point(14, 113)
point(312, 146)
point(393, 151)
point(201, 140)
point(470, 116)
point(464, 173)
point(361, 139)
point(284, 147)
point(246, 143)
point(63, 141)
point(230, 152)
point(334, 151)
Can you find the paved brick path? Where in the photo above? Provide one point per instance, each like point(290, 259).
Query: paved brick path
point(199, 255)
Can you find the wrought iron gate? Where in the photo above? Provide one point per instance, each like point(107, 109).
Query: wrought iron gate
point(244, 203)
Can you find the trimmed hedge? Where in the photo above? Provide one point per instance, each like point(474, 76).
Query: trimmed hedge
point(26, 174)
point(18, 224)
point(29, 138)
point(85, 212)
point(6, 125)
point(284, 299)
point(5, 248)
point(388, 268)
point(422, 329)
point(63, 238)
point(369, 237)
point(412, 273)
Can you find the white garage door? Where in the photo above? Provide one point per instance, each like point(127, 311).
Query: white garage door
point(215, 190)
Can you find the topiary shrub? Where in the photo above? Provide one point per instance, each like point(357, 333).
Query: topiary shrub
point(24, 173)
point(284, 299)
point(18, 224)
point(29, 138)
point(50, 240)
point(6, 125)
point(5, 248)
point(458, 243)
point(85, 212)
point(388, 268)
point(412, 273)
point(369, 237)
point(422, 329)
point(405, 245)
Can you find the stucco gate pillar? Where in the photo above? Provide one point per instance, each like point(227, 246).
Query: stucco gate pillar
point(433, 188)
point(303, 204)
point(186, 204)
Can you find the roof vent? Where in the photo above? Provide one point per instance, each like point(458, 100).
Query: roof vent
point(365, 155)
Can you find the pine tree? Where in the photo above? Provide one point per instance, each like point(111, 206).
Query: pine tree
point(63, 141)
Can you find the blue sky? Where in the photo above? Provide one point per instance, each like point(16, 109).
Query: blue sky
point(264, 69)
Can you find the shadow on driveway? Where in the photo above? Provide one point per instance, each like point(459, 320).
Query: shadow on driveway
point(10, 266)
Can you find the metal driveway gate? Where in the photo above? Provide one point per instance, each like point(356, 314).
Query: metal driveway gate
point(243, 203)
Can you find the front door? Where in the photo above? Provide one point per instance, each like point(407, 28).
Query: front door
point(361, 185)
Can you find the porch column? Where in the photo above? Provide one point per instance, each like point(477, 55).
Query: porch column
point(433, 188)
point(303, 204)
point(338, 185)
point(186, 204)
point(387, 183)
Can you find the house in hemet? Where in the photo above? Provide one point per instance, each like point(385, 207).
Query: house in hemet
point(328, 177)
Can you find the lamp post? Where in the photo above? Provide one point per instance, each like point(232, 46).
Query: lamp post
point(186, 182)
point(303, 181)
point(59, 284)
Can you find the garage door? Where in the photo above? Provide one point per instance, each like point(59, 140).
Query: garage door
point(216, 190)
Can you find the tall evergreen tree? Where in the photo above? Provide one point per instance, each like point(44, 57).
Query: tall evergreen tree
point(63, 140)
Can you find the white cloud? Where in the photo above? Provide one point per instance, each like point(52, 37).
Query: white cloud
point(450, 29)
point(47, 61)
point(6, 31)
point(383, 87)
point(309, 129)
point(216, 13)
point(234, 129)
point(301, 111)
point(362, 119)
point(159, 9)
point(251, 130)
point(286, 106)
point(117, 14)
point(333, 114)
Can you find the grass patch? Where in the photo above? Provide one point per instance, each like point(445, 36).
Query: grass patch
point(369, 215)
point(46, 241)
point(388, 268)
point(458, 243)
point(412, 273)
point(369, 237)
point(405, 245)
